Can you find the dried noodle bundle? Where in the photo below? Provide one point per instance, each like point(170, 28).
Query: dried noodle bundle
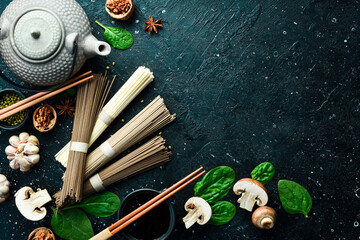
point(90, 97)
point(132, 87)
point(149, 155)
point(150, 119)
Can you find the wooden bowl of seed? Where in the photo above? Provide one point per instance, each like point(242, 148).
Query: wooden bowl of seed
point(44, 118)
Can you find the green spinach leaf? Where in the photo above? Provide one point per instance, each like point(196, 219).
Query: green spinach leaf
point(216, 184)
point(294, 198)
point(263, 172)
point(101, 205)
point(71, 224)
point(118, 37)
point(222, 213)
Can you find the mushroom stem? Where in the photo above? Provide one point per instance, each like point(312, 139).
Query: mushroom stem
point(191, 218)
point(247, 200)
point(267, 222)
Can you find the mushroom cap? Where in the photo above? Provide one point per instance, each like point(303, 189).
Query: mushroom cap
point(254, 186)
point(125, 16)
point(30, 203)
point(202, 206)
point(264, 217)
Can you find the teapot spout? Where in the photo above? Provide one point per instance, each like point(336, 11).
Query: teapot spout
point(93, 47)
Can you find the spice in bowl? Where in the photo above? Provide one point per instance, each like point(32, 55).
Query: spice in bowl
point(44, 118)
point(41, 233)
point(8, 98)
point(120, 9)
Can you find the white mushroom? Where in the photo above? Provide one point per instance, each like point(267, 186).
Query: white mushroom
point(251, 192)
point(4, 188)
point(30, 203)
point(199, 211)
point(23, 151)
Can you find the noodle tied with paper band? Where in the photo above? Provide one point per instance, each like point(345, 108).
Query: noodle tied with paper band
point(90, 97)
point(153, 117)
point(79, 147)
point(147, 156)
point(132, 87)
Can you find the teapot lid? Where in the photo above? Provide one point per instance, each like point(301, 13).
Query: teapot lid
point(37, 35)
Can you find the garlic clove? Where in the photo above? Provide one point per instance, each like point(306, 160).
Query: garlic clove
point(34, 140)
point(2, 178)
point(24, 137)
point(14, 165)
point(4, 189)
point(20, 147)
point(10, 150)
point(33, 159)
point(31, 149)
point(24, 168)
point(11, 157)
point(14, 140)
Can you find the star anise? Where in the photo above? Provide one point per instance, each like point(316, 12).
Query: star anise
point(66, 108)
point(152, 25)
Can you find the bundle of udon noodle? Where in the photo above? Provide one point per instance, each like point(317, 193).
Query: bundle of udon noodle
point(149, 155)
point(153, 117)
point(132, 87)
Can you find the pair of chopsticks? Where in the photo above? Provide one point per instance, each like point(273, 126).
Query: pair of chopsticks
point(139, 212)
point(39, 97)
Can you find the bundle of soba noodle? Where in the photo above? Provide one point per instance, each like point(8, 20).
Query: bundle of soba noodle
point(133, 86)
point(149, 155)
point(90, 97)
point(153, 117)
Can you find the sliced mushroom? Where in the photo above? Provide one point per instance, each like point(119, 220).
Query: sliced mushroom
point(251, 192)
point(199, 211)
point(264, 217)
point(30, 203)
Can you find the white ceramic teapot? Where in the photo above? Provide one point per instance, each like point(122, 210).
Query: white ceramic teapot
point(44, 42)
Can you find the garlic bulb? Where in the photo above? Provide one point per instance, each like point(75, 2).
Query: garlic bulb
point(4, 188)
point(23, 151)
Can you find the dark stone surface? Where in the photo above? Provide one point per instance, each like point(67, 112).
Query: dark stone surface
point(250, 81)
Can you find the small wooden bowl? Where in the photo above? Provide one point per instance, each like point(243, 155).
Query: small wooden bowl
point(125, 16)
point(52, 121)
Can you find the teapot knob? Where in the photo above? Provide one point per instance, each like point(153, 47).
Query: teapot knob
point(35, 33)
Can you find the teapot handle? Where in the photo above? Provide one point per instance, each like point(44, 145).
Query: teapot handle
point(75, 50)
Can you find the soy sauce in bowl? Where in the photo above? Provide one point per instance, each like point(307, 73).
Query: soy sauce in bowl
point(156, 224)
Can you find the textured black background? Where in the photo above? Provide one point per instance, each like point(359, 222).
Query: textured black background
point(250, 81)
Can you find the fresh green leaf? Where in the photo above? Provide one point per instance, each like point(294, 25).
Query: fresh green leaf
point(216, 184)
point(263, 172)
point(71, 224)
point(294, 198)
point(101, 205)
point(222, 213)
point(118, 37)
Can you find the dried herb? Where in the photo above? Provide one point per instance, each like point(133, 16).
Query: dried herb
point(66, 107)
point(118, 37)
point(152, 25)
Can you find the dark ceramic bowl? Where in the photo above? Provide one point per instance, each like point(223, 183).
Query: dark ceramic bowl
point(147, 194)
point(4, 125)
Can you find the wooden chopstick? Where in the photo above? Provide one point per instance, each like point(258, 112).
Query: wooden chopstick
point(42, 98)
point(139, 212)
point(35, 96)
